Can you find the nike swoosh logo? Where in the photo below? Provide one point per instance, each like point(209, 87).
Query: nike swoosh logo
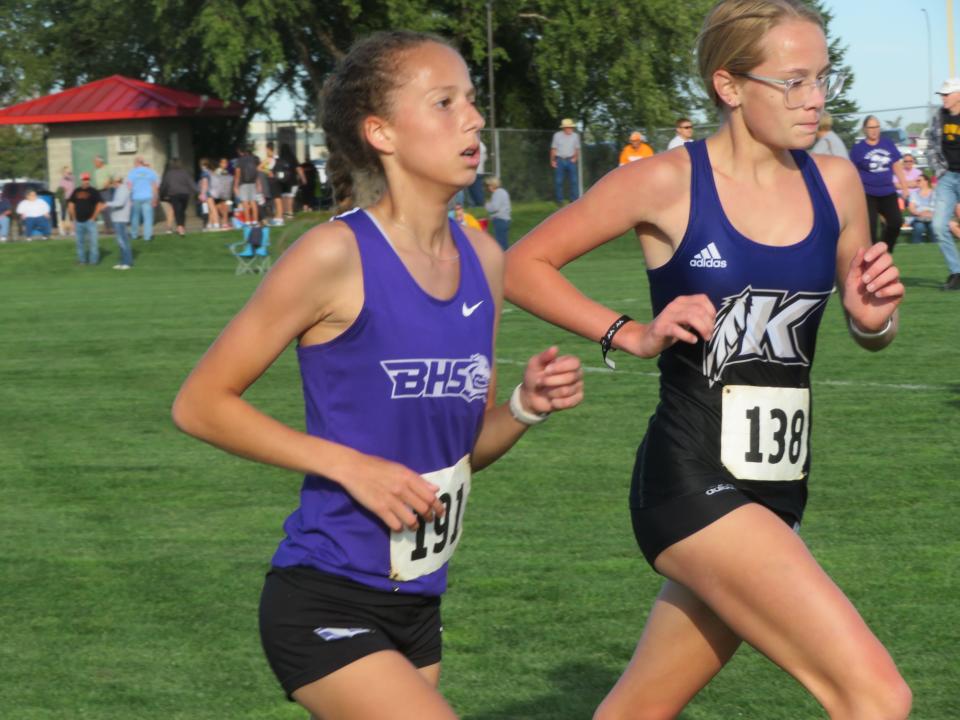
point(332, 634)
point(467, 310)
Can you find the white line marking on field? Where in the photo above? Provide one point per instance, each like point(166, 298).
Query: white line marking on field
point(507, 308)
point(835, 383)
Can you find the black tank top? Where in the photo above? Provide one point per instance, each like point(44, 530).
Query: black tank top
point(737, 409)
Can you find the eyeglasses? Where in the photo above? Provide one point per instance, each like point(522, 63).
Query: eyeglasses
point(686, 127)
point(797, 91)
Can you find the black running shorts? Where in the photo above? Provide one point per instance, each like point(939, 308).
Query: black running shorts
point(659, 526)
point(312, 624)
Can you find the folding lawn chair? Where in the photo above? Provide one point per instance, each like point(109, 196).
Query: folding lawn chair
point(253, 252)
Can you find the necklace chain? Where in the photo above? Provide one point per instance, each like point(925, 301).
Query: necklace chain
point(417, 246)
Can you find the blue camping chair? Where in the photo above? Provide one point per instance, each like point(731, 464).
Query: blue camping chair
point(253, 252)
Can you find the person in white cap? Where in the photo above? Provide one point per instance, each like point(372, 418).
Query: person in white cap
point(943, 154)
point(564, 156)
point(636, 149)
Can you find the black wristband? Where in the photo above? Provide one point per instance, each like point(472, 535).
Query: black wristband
point(606, 342)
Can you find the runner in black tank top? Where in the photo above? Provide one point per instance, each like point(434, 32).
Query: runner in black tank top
point(733, 424)
point(741, 236)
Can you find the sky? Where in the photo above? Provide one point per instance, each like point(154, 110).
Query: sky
point(888, 50)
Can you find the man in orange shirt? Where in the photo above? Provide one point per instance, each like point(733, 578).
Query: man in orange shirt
point(636, 149)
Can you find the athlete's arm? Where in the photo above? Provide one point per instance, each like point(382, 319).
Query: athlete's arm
point(868, 281)
point(314, 289)
point(550, 382)
point(652, 197)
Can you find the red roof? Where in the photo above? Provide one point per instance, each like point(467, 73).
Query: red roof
point(116, 98)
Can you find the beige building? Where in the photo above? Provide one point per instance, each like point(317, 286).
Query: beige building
point(117, 118)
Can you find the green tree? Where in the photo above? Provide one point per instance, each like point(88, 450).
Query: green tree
point(843, 109)
point(21, 152)
point(615, 65)
point(221, 48)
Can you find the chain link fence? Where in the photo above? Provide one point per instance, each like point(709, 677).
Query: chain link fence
point(524, 158)
point(520, 157)
point(524, 155)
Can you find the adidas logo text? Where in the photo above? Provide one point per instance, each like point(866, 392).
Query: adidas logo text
point(719, 488)
point(709, 257)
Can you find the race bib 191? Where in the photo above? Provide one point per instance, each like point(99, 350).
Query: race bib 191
point(764, 432)
point(414, 553)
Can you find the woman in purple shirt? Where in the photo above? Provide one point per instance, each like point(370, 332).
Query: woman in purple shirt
point(878, 160)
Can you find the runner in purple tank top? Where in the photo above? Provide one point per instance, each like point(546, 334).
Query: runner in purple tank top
point(744, 235)
point(395, 310)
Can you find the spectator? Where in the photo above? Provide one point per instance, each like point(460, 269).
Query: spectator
point(65, 189)
point(911, 172)
point(309, 182)
point(5, 211)
point(828, 142)
point(179, 187)
point(943, 152)
point(208, 202)
point(265, 206)
point(878, 160)
point(144, 195)
point(498, 206)
point(684, 130)
point(286, 170)
point(165, 207)
point(246, 184)
point(67, 181)
point(35, 215)
point(83, 206)
point(564, 159)
point(120, 211)
point(221, 182)
point(921, 208)
point(464, 218)
point(636, 149)
point(475, 190)
point(102, 178)
point(271, 185)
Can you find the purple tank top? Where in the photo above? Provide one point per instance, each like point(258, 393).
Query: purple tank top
point(406, 382)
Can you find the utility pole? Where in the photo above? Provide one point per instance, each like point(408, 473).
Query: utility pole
point(493, 96)
point(926, 17)
point(950, 35)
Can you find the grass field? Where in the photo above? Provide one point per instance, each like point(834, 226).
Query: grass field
point(131, 557)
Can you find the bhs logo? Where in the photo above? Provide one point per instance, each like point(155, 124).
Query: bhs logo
point(467, 378)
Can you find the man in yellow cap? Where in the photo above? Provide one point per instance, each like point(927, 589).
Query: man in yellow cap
point(636, 149)
point(564, 157)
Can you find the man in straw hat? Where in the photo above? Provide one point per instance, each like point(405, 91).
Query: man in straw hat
point(564, 157)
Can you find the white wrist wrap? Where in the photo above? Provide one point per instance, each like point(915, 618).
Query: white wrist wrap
point(520, 413)
point(866, 335)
